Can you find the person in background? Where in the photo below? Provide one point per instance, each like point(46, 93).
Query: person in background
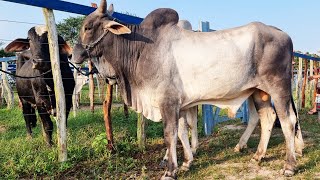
point(314, 109)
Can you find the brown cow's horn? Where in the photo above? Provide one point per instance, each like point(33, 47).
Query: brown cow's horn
point(103, 6)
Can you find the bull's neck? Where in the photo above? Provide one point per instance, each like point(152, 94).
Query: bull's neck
point(125, 59)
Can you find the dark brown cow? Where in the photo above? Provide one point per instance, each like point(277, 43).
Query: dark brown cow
point(39, 92)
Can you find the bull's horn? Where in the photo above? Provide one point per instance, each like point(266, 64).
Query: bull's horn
point(102, 8)
point(110, 9)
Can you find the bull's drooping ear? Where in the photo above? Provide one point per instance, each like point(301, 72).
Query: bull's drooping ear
point(66, 49)
point(110, 10)
point(17, 45)
point(116, 28)
point(64, 46)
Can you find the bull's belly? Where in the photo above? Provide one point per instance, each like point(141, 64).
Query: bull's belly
point(231, 101)
point(148, 102)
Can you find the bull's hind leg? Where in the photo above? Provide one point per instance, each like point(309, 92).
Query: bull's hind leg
point(47, 125)
point(288, 119)
point(192, 120)
point(267, 117)
point(184, 138)
point(29, 117)
point(253, 122)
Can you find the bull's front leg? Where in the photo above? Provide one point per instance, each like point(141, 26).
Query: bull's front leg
point(170, 113)
point(42, 98)
point(188, 119)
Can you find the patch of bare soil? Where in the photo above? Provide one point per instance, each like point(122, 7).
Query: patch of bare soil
point(234, 127)
point(249, 170)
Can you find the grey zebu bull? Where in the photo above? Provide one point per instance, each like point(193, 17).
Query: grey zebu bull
point(158, 75)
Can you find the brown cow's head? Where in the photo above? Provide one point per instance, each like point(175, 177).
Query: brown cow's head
point(97, 28)
point(37, 42)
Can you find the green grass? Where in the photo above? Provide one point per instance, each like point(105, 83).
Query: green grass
point(88, 158)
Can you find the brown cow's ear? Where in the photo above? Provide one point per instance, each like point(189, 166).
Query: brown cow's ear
point(17, 45)
point(66, 49)
point(116, 28)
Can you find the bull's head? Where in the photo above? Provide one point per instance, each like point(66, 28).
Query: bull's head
point(37, 42)
point(95, 34)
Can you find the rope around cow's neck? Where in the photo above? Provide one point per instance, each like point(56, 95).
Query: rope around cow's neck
point(26, 77)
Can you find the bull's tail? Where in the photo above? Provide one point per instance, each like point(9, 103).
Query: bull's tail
point(299, 144)
point(296, 113)
point(294, 107)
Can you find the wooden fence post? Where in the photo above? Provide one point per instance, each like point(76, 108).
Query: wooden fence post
point(311, 83)
point(303, 92)
point(141, 133)
point(299, 84)
point(1, 93)
point(7, 90)
point(107, 116)
point(58, 85)
point(91, 87)
point(315, 83)
point(74, 96)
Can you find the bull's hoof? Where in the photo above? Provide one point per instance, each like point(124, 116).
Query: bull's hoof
point(298, 154)
point(29, 137)
point(184, 168)
point(169, 176)
point(194, 151)
point(256, 157)
point(254, 161)
point(287, 172)
point(239, 148)
point(50, 145)
point(163, 163)
point(53, 112)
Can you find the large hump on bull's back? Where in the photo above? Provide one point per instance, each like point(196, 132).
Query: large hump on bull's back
point(160, 17)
